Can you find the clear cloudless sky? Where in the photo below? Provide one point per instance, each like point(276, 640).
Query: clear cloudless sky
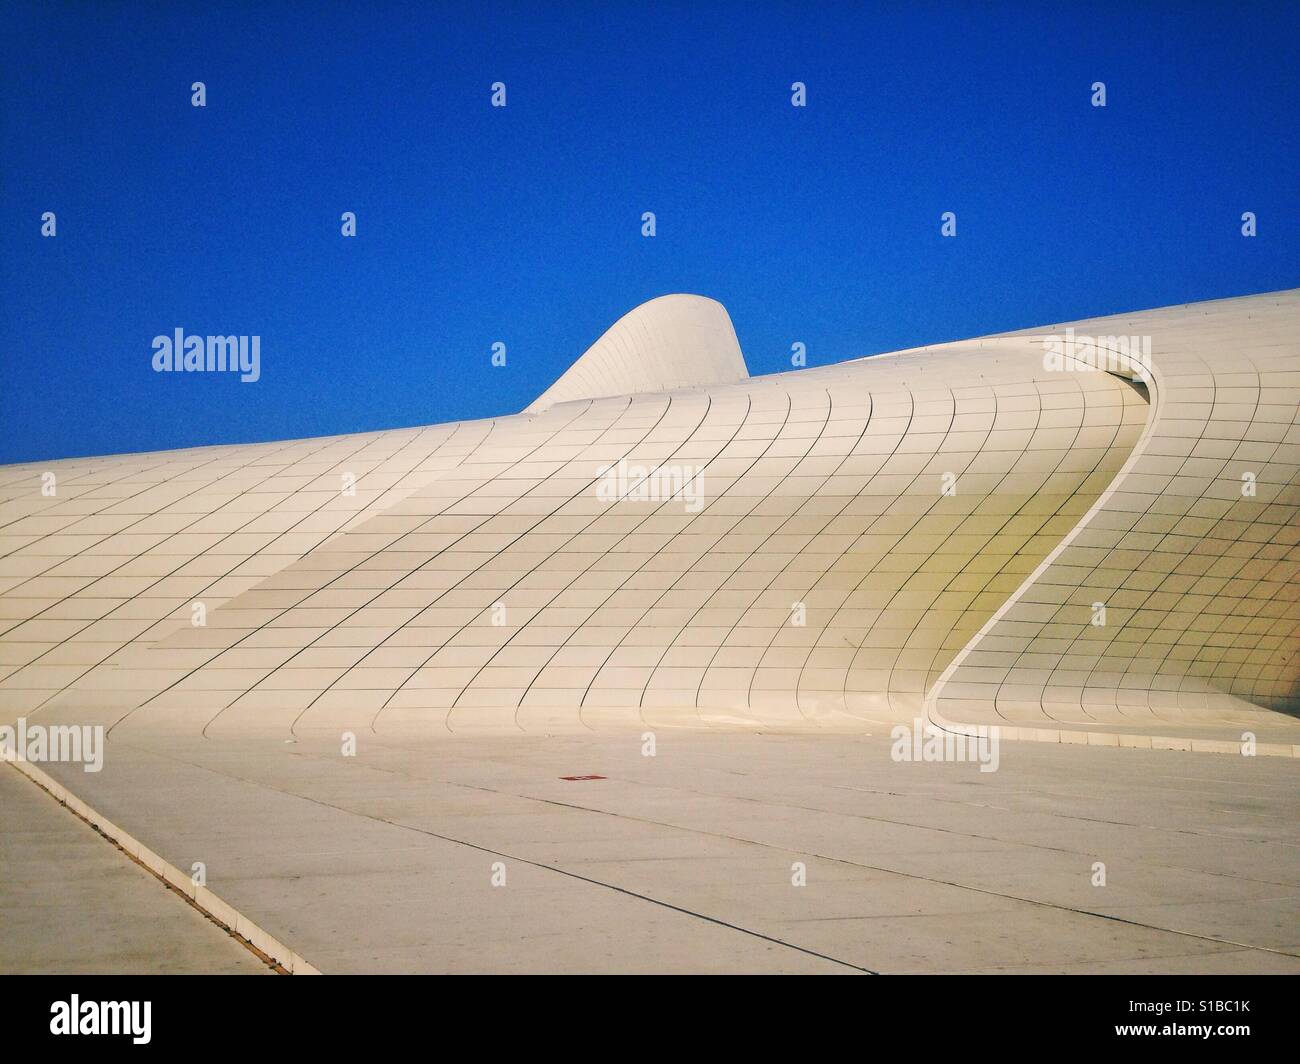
point(523, 225)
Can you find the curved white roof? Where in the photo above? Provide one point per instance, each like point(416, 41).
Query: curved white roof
point(675, 341)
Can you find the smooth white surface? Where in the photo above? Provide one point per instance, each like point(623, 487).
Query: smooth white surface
point(675, 341)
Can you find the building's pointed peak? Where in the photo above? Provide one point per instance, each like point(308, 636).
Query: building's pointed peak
point(674, 341)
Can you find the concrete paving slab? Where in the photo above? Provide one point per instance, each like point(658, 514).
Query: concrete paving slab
point(684, 861)
point(71, 902)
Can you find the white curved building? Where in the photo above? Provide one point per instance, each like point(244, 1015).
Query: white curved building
point(989, 533)
point(830, 547)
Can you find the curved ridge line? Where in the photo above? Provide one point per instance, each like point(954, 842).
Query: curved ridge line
point(930, 704)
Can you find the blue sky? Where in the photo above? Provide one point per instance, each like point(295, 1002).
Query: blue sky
point(523, 224)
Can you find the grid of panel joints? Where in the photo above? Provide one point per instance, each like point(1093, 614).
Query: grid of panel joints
point(1200, 580)
point(576, 637)
point(126, 543)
